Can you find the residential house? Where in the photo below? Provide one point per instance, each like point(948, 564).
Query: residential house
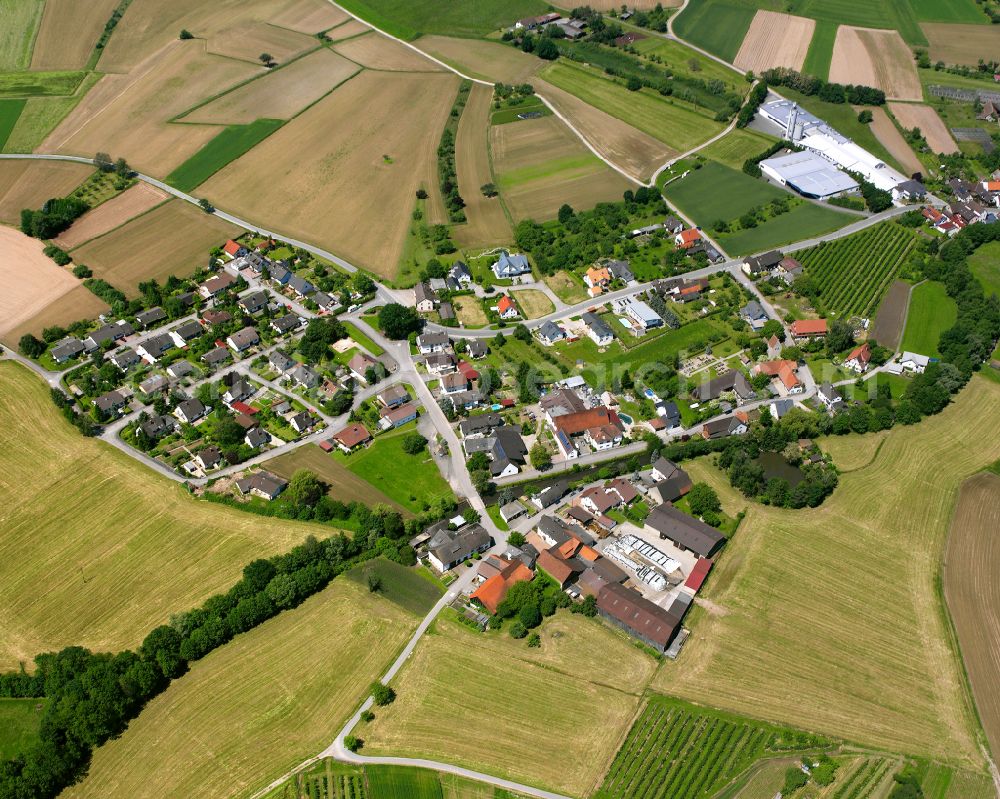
point(432, 342)
point(108, 333)
point(325, 302)
point(530, 23)
point(598, 500)
point(280, 361)
point(783, 371)
point(773, 347)
point(424, 297)
point(726, 426)
point(561, 401)
point(990, 112)
point(212, 317)
point(125, 359)
point(808, 328)
point(244, 339)
point(491, 592)
point(157, 426)
point(393, 396)
point(626, 492)
point(690, 290)
point(503, 446)
point(111, 403)
point(670, 414)
point(460, 274)
point(550, 495)
point(234, 249)
point(510, 266)
point(597, 278)
point(758, 265)
point(146, 318)
point(440, 363)
point(287, 323)
point(477, 348)
point(254, 302)
point(506, 309)
point(209, 458)
point(391, 418)
point(512, 510)
point(302, 287)
point(239, 389)
point(256, 437)
point(673, 225)
point(261, 484)
point(788, 269)
point(155, 347)
point(685, 532)
point(909, 191)
point(190, 411)
point(185, 333)
point(359, 366)
point(620, 270)
point(67, 349)
point(643, 315)
point(479, 426)
point(280, 274)
point(636, 615)
point(217, 284)
point(351, 437)
point(453, 383)
point(754, 315)
point(687, 238)
point(733, 380)
point(670, 481)
point(779, 408)
point(913, 362)
point(830, 397)
point(216, 356)
point(598, 329)
point(859, 358)
point(448, 548)
point(303, 421)
point(549, 333)
point(179, 369)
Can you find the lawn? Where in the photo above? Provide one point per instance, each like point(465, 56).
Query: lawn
point(821, 49)
point(260, 705)
point(19, 722)
point(135, 547)
point(802, 221)
point(698, 194)
point(229, 145)
point(669, 121)
point(682, 60)
point(533, 303)
point(39, 84)
point(10, 110)
point(572, 698)
point(471, 18)
point(932, 312)
point(400, 585)
point(985, 265)
point(716, 26)
point(736, 147)
point(869, 647)
point(383, 464)
point(567, 287)
point(360, 338)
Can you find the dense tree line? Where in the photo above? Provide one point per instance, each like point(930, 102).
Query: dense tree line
point(824, 90)
point(447, 174)
point(112, 296)
point(53, 217)
point(749, 110)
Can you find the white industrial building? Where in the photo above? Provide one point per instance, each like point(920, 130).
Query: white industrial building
point(812, 133)
point(809, 174)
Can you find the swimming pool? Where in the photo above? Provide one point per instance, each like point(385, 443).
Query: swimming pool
point(625, 418)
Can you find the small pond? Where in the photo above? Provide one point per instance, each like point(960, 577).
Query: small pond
point(774, 465)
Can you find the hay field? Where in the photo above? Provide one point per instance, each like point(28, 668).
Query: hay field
point(775, 40)
point(29, 280)
point(97, 549)
point(28, 184)
point(960, 44)
point(108, 215)
point(247, 40)
point(533, 303)
point(540, 165)
point(172, 239)
point(42, 114)
point(343, 483)
point(375, 51)
point(68, 33)
point(317, 176)
point(893, 141)
point(876, 58)
point(487, 222)
point(77, 303)
point(258, 706)
point(482, 59)
point(912, 115)
point(18, 23)
point(150, 24)
point(133, 111)
point(638, 153)
point(972, 562)
point(550, 716)
point(830, 619)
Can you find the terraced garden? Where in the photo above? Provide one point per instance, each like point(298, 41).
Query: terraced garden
point(685, 752)
point(854, 273)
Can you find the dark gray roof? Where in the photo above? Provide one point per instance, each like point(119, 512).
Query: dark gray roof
point(286, 323)
point(67, 348)
point(598, 325)
point(189, 330)
point(454, 546)
point(552, 494)
point(191, 408)
point(156, 426)
point(254, 300)
point(551, 331)
point(301, 285)
point(217, 355)
point(157, 345)
point(146, 318)
point(687, 531)
point(479, 424)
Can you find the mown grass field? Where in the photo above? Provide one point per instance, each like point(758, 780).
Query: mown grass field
point(470, 18)
point(400, 585)
point(19, 723)
point(802, 221)
point(42, 114)
point(10, 111)
point(123, 547)
point(985, 265)
point(698, 194)
point(39, 84)
point(851, 614)
point(932, 312)
point(491, 703)
point(18, 23)
point(821, 49)
point(716, 26)
point(948, 11)
point(258, 706)
point(225, 148)
point(671, 122)
point(736, 147)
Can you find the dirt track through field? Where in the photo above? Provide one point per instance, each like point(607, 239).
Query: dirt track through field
point(876, 58)
point(912, 115)
point(487, 221)
point(971, 588)
point(109, 215)
point(893, 140)
point(775, 40)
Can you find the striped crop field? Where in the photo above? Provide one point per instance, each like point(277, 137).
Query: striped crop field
point(867, 775)
point(852, 274)
point(686, 752)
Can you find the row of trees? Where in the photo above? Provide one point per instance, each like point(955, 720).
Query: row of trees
point(447, 173)
point(828, 92)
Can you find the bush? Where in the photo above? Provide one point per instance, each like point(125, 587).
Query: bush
point(352, 743)
point(413, 443)
point(795, 778)
point(82, 271)
point(518, 630)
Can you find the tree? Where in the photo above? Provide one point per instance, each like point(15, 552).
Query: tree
point(566, 213)
point(30, 346)
point(103, 162)
point(421, 194)
point(702, 499)
point(865, 116)
point(398, 321)
point(589, 606)
point(352, 743)
point(122, 169)
point(521, 333)
point(373, 579)
point(489, 190)
point(382, 694)
point(206, 206)
point(518, 630)
point(478, 462)
point(541, 458)
point(363, 284)
point(839, 338)
point(413, 443)
point(772, 327)
point(185, 34)
point(304, 489)
point(547, 49)
point(633, 84)
point(516, 539)
point(266, 59)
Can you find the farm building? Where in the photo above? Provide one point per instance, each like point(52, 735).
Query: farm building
point(809, 174)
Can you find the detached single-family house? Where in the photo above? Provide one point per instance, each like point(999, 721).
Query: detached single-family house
point(642, 314)
point(549, 333)
point(830, 397)
point(909, 191)
point(125, 359)
point(597, 278)
point(155, 347)
point(360, 364)
point(254, 302)
point(217, 284)
point(280, 274)
point(720, 428)
point(808, 328)
point(686, 239)
point(158, 426)
point(788, 269)
point(185, 333)
point(302, 287)
point(453, 383)
point(146, 318)
point(620, 270)
point(779, 408)
point(756, 265)
point(304, 377)
point(390, 418)
point(783, 370)
point(351, 437)
point(506, 309)
point(216, 356)
point(440, 363)
point(424, 297)
point(67, 349)
point(111, 403)
point(209, 458)
point(280, 361)
point(598, 329)
point(234, 249)
point(512, 510)
point(213, 317)
point(476, 349)
point(432, 342)
point(302, 421)
point(448, 548)
point(244, 339)
point(859, 358)
point(261, 484)
point(256, 437)
point(287, 323)
point(113, 332)
point(754, 315)
point(325, 302)
point(190, 411)
point(153, 385)
point(394, 396)
point(913, 362)
point(510, 266)
point(238, 390)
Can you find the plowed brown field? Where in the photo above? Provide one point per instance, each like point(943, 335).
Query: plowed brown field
point(878, 58)
point(27, 184)
point(911, 115)
point(68, 33)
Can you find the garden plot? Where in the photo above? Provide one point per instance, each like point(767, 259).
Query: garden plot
point(876, 58)
point(911, 115)
point(775, 40)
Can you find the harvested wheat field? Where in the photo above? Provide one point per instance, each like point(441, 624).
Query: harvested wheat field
point(540, 165)
point(961, 44)
point(247, 40)
point(133, 111)
point(282, 93)
point(487, 222)
point(775, 40)
point(638, 153)
point(172, 239)
point(323, 171)
point(847, 638)
point(912, 115)
point(581, 686)
point(258, 706)
point(98, 549)
point(28, 184)
point(482, 59)
point(972, 563)
point(68, 33)
point(111, 214)
point(76, 304)
point(353, 27)
point(876, 58)
point(29, 280)
point(375, 51)
point(150, 25)
point(893, 141)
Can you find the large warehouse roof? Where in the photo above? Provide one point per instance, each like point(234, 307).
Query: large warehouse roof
point(850, 156)
point(809, 174)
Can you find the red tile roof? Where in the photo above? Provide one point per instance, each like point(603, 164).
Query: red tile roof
point(326, 446)
point(688, 237)
point(492, 592)
point(555, 566)
point(808, 327)
point(575, 423)
point(863, 354)
point(242, 407)
point(352, 435)
point(505, 304)
point(231, 247)
point(468, 370)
